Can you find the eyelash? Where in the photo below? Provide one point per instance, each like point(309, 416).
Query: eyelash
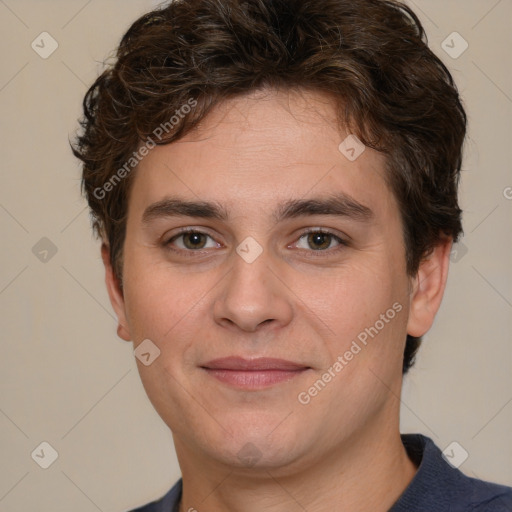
point(312, 253)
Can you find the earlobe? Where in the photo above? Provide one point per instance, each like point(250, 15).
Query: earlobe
point(115, 293)
point(428, 289)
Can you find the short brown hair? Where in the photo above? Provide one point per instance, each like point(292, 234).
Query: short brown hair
point(370, 55)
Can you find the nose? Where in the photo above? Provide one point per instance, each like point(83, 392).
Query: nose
point(253, 296)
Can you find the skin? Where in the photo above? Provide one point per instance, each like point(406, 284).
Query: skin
point(343, 448)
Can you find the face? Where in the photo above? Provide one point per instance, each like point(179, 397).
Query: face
point(291, 252)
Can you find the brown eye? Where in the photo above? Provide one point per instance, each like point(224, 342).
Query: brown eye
point(189, 241)
point(194, 240)
point(318, 241)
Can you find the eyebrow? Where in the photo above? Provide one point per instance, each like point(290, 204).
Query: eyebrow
point(340, 204)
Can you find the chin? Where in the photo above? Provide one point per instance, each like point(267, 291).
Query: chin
point(254, 445)
point(254, 455)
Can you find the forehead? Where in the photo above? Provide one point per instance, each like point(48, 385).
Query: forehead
point(261, 148)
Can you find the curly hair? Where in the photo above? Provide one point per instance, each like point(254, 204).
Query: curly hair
point(372, 56)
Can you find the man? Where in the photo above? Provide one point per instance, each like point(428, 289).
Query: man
point(275, 186)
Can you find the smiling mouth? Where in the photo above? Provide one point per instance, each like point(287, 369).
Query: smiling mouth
point(253, 373)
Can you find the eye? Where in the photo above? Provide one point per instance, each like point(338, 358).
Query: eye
point(191, 240)
point(312, 241)
point(319, 240)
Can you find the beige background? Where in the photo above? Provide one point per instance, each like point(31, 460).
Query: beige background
point(68, 380)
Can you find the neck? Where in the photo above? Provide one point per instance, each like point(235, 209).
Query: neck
point(364, 473)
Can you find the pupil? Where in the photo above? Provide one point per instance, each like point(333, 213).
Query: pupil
point(194, 239)
point(319, 239)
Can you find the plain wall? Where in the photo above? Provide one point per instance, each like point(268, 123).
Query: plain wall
point(68, 380)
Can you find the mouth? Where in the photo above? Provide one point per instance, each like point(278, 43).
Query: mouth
point(253, 373)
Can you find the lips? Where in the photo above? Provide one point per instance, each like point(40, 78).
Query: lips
point(259, 364)
point(253, 374)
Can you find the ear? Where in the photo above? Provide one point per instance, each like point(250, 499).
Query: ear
point(428, 288)
point(115, 293)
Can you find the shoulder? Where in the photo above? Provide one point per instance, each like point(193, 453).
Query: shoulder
point(488, 497)
point(167, 503)
point(438, 485)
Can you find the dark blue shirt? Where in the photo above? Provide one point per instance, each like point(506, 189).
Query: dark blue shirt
point(436, 487)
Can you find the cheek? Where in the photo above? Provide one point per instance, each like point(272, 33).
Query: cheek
point(355, 297)
point(156, 309)
point(164, 308)
point(365, 308)
point(155, 302)
point(170, 308)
